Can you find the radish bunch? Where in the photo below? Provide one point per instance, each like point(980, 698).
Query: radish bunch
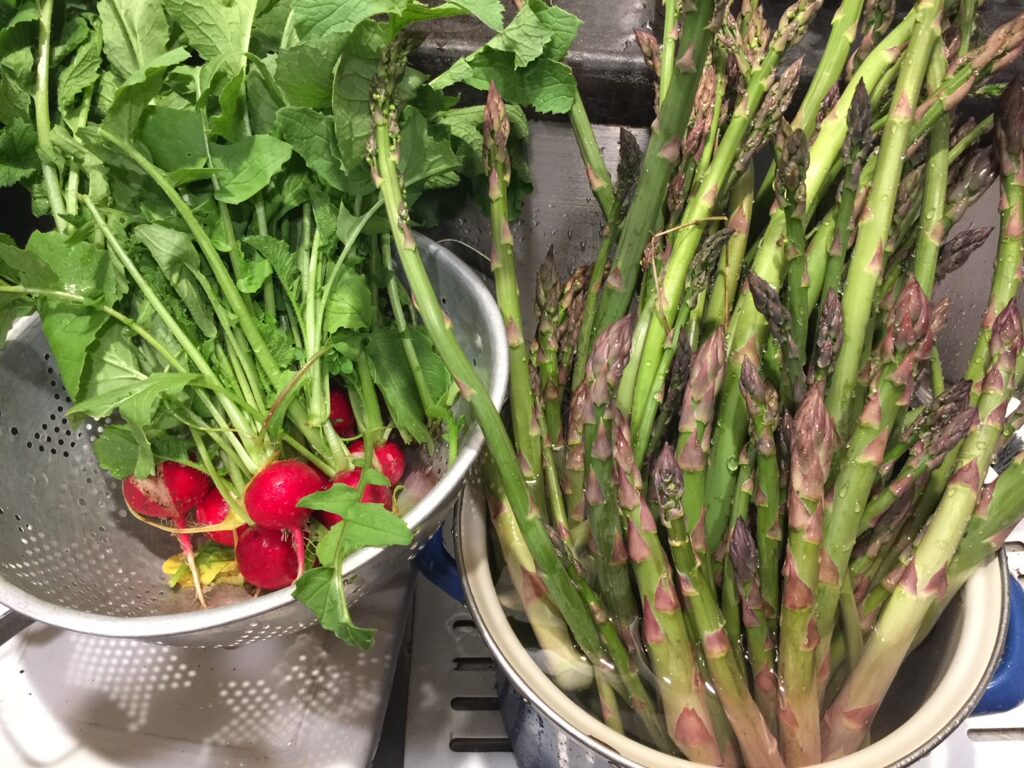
point(271, 551)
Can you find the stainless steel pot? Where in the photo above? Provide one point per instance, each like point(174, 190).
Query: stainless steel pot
point(71, 556)
point(939, 686)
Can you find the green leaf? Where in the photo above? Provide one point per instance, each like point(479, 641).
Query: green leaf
point(322, 590)
point(135, 33)
point(12, 306)
point(138, 400)
point(425, 158)
point(253, 274)
point(178, 259)
point(247, 166)
point(365, 525)
point(81, 74)
point(350, 105)
point(392, 375)
point(525, 37)
point(350, 304)
point(546, 85)
point(311, 134)
point(490, 12)
point(174, 137)
point(112, 363)
point(305, 72)
point(215, 27)
point(18, 158)
point(229, 124)
point(562, 26)
point(118, 452)
point(320, 18)
point(282, 260)
point(16, 85)
point(134, 96)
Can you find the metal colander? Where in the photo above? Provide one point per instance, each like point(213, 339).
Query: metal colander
point(72, 556)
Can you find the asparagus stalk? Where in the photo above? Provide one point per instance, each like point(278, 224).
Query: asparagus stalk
point(791, 152)
point(723, 293)
point(925, 580)
point(730, 591)
point(1009, 140)
point(573, 603)
point(675, 388)
point(695, 422)
point(780, 324)
point(680, 686)
point(757, 745)
point(497, 166)
point(763, 409)
point(746, 326)
point(958, 249)
point(696, 31)
point(907, 342)
point(760, 644)
point(814, 442)
point(549, 320)
point(930, 232)
point(562, 660)
point(867, 261)
point(855, 153)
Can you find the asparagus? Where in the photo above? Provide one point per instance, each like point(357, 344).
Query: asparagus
point(549, 320)
point(695, 422)
point(498, 168)
point(760, 643)
point(650, 49)
point(958, 249)
point(675, 388)
point(814, 442)
point(855, 152)
point(1009, 141)
point(780, 323)
point(745, 327)
point(763, 409)
point(757, 745)
point(599, 646)
point(791, 150)
point(907, 342)
point(696, 31)
point(925, 579)
point(866, 264)
point(730, 591)
point(669, 645)
point(723, 293)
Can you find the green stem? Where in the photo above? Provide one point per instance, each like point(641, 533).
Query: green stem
point(42, 114)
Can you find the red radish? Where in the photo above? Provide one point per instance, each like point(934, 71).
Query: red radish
point(372, 494)
point(266, 559)
point(186, 485)
point(214, 509)
point(342, 417)
point(149, 497)
point(273, 495)
point(390, 459)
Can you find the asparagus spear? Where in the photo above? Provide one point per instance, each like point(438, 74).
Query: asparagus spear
point(780, 323)
point(697, 28)
point(758, 746)
point(565, 594)
point(958, 249)
point(669, 645)
point(814, 441)
point(763, 409)
point(549, 320)
point(695, 422)
point(730, 591)
point(925, 580)
point(907, 342)
point(760, 644)
point(675, 388)
point(866, 264)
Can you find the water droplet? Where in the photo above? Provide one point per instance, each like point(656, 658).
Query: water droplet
point(733, 464)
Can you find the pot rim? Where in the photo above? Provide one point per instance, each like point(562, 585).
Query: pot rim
point(534, 684)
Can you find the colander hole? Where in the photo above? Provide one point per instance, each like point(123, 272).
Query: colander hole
point(14, 430)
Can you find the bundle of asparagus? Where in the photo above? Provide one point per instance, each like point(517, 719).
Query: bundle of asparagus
point(739, 483)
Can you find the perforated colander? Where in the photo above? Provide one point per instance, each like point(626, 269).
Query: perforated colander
point(72, 556)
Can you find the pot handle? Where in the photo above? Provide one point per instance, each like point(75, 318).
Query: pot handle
point(1006, 690)
point(440, 567)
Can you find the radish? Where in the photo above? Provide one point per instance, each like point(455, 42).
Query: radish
point(342, 417)
point(389, 459)
point(273, 495)
point(266, 559)
point(186, 485)
point(214, 509)
point(170, 494)
point(372, 494)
